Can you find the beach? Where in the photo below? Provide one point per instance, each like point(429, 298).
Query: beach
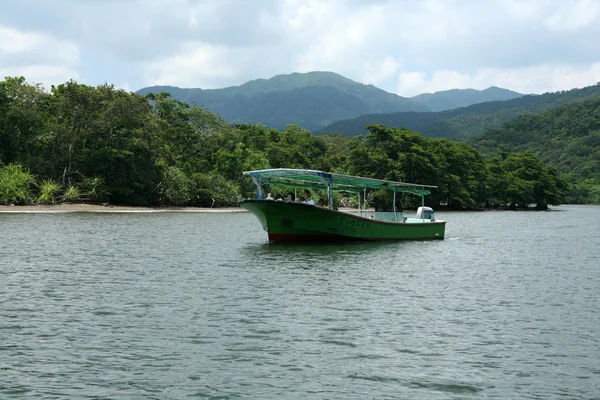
point(108, 208)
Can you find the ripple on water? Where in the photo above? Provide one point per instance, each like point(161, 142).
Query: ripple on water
point(197, 305)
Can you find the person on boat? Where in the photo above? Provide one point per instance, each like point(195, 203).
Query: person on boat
point(290, 197)
point(308, 199)
point(269, 197)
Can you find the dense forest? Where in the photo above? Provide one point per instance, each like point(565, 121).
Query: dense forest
point(81, 143)
point(566, 137)
point(316, 99)
point(465, 122)
point(311, 100)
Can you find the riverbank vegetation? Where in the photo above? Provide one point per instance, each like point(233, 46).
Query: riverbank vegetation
point(81, 143)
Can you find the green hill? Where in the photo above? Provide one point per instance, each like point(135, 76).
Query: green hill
point(467, 121)
point(566, 137)
point(455, 98)
point(311, 100)
point(314, 100)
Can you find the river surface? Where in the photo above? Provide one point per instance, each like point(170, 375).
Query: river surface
point(186, 305)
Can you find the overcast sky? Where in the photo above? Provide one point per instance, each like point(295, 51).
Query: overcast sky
point(403, 46)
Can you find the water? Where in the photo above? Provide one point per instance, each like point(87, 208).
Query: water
point(172, 306)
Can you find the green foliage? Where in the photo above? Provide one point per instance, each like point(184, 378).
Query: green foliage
point(96, 189)
point(312, 100)
point(212, 190)
point(461, 174)
point(47, 191)
point(522, 179)
point(465, 122)
point(15, 185)
point(72, 194)
point(104, 144)
point(393, 154)
point(174, 189)
point(567, 138)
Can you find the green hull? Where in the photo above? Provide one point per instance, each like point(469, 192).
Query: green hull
point(290, 221)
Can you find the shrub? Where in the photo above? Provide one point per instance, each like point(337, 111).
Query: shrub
point(96, 189)
point(15, 185)
point(213, 190)
point(174, 188)
point(72, 194)
point(48, 189)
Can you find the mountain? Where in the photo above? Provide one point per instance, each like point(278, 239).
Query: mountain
point(455, 98)
point(566, 137)
point(311, 100)
point(466, 121)
point(314, 100)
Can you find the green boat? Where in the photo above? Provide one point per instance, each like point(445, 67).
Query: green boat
point(295, 221)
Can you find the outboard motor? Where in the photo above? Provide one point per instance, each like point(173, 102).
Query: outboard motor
point(425, 213)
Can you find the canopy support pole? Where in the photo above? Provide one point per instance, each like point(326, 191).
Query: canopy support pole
point(394, 205)
point(365, 201)
point(258, 182)
point(359, 206)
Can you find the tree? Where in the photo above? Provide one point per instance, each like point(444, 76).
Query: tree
point(461, 174)
point(521, 179)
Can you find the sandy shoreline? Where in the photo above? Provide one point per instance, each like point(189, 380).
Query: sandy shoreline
point(110, 208)
point(98, 208)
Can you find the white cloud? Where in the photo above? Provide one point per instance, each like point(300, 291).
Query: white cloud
point(40, 58)
point(124, 86)
point(524, 10)
point(196, 67)
point(380, 71)
point(16, 44)
point(415, 46)
point(45, 74)
point(538, 79)
point(574, 16)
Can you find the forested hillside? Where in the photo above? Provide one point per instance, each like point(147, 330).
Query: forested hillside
point(468, 121)
point(83, 143)
point(455, 98)
point(314, 100)
point(566, 137)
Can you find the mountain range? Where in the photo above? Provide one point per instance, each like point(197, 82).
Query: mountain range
point(465, 121)
point(315, 100)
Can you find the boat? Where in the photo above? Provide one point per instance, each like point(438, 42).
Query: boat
point(291, 221)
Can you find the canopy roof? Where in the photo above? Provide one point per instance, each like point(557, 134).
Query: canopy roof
point(321, 180)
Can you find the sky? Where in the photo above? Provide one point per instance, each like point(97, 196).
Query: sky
point(402, 46)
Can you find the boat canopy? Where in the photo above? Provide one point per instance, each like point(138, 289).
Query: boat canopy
point(327, 180)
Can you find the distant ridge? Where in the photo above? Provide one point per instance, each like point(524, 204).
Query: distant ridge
point(466, 121)
point(455, 98)
point(311, 100)
point(314, 100)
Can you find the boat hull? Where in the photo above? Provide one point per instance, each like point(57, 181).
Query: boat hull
point(291, 221)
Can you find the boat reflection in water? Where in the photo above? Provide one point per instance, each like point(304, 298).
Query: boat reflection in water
point(299, 222)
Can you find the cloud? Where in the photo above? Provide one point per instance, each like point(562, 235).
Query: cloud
point(40, 58)
point(538, 79)
point(575, 16)
point(405, 46)
point(197, 67)
point(376, 72)
point(45, 74)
